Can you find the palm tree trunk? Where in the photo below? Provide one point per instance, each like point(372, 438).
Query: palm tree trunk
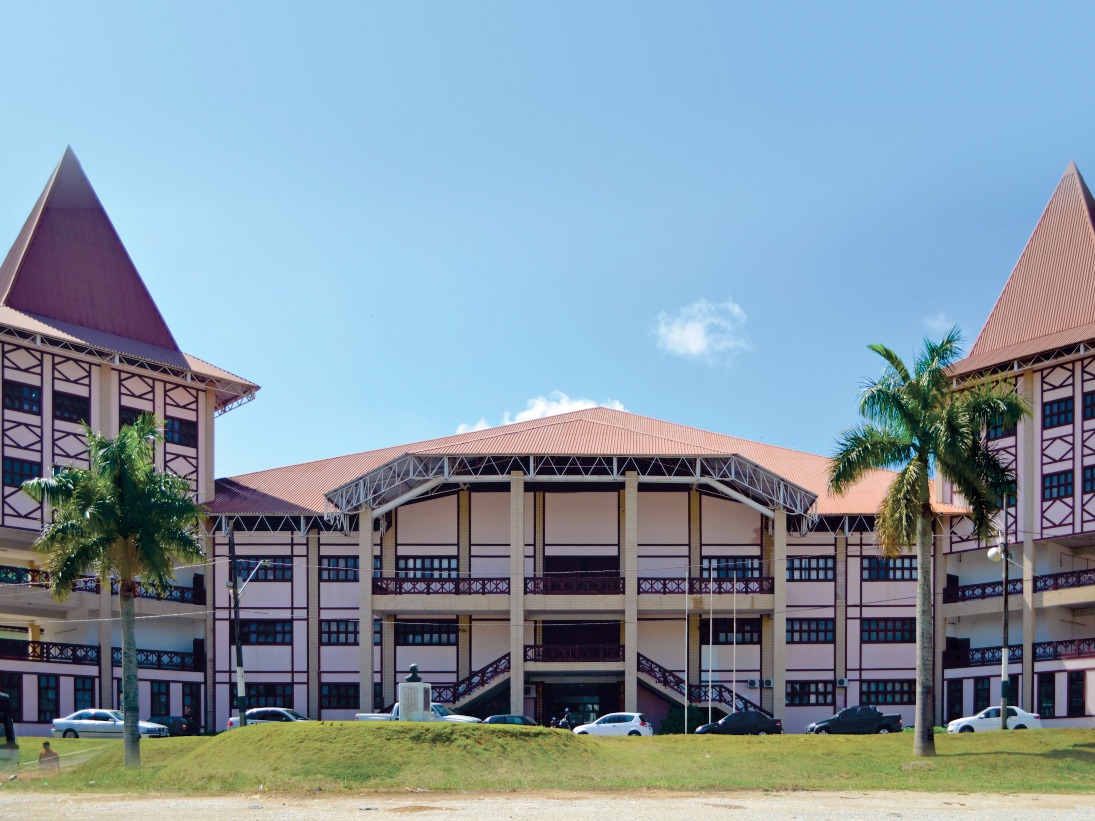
point(924, 727)
point(130, 695)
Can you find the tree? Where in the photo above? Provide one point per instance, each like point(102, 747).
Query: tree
point(121, 517)
point(918, 425)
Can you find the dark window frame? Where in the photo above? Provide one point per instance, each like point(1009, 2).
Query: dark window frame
point(811, 568)
point(425, 634)
point(810, 693)
point(22, 397)
point(11, 682)
point(1089, 405)
point(274, 569)
point(996, 430)
point(1076, 693)
point(887, 631)
point(884, 569)
point(49, 697)
point(426, 567)
point(1089, 479)
point(338, 632)
point(17, 471)
point(71, 407)
point(183, 432)
point(339, 695)
point(339, 568)
point(128, 415)
point(1058, 413)
point(1057, 485)
point(811, 631)
point(748, 631)
point(266, 631)
point(982, 693)
point(1047, 686)
point(268, 694)
point(191, 700)
point(83, 693)
point(893, 691)
point(160, 703)
point(731, 567)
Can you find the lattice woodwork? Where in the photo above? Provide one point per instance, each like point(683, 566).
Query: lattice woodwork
point(72, 372)
point(1057, 517)
point(18, 358)
point(180, 397)
point(22, 435)
point(133, 386)
point(70, 448)
point(1061, 376)
point(184, 465)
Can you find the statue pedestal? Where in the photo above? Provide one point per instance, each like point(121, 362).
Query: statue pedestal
point(415, 701)
point(9, 756)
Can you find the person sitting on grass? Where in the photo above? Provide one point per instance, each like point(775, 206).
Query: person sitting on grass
point(48, 758)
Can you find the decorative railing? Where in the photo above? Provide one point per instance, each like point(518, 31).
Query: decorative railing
point(1067, 649)
point(575, 585)
point(985, 590)
point(388, 586)
point(451, 693)
point(1063, 581)
point(980, 656)
point(698, 585)
point(182, 595)
point(574, 652)
point(697, 693)
point(49, 651)
point(40, 578)
point(159, 659)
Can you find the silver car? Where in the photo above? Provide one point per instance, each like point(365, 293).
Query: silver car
point(101, 724)
point(267, 715)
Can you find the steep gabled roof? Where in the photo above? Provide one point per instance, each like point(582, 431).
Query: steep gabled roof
point(1049, 299)
point(300, 489)
point(68, 264)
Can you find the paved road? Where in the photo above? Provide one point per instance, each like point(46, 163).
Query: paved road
point(557, 806)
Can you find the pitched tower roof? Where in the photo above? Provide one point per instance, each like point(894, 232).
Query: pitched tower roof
point(69, 265)
point(1049, 299)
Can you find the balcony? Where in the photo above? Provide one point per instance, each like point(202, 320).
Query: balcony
point(704, 586)
point(1067, 649)
point(49, 651)
point(1064, 581)
point(29, 577)
point(574, 653)
point(978, 592)
point(979, 656)
point(161, 660)
point(575, 585)
point(387, 586)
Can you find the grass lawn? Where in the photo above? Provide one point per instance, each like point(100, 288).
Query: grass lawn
point(343, 756)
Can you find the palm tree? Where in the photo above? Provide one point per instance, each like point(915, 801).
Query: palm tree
point(917, 424)
point(121, 517)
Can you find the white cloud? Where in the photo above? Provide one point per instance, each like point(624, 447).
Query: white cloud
point(538, 407)
point(938, 324)
point(703, 330)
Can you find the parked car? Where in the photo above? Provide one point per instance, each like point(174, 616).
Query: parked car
point(859, 720)
point(990, 720)
point(178, 725)
point(746, 722)
point(267, 715)
point(440, 713)
point(522, 721)
point(617, 724)
point(101, 724)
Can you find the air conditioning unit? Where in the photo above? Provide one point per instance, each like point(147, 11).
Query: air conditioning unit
point(768, 682)
point(753, 683)
point(530, 691)
point(842, 682)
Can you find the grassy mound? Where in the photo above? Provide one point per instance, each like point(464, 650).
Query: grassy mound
point(342, 756)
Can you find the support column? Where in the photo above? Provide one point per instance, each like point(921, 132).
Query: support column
point(312, 574)
point(694, 543)
point(387, 629)
point(212, 585)
point(767, 661)
point(1030, 527)
point(939, 621)
point(517, 592)
point(366, 674)
point(463, 564)
point(629, 552)
point(692, 672)
point(694, 642)
point(778, 569)
point(538, 530)
point(840, 617)
point(463, 647)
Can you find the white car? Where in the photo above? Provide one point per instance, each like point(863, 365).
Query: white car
point(102, 724)
point(267, 715)
point(990, 720)
point(440, 713)
point(617, 724)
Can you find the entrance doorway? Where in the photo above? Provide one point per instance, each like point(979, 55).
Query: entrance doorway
point(586, 700)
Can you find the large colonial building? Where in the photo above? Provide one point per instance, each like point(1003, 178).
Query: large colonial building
point(597, 560)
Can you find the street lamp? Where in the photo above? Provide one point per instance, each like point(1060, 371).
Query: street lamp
point(236, 592)
point(1000, 553)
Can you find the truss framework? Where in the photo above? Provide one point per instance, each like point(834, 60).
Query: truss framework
point(417, 476)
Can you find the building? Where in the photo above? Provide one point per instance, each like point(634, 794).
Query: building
point(596, 560)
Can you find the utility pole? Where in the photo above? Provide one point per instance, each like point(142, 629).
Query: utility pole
point(233, 586)
point(1000, 554)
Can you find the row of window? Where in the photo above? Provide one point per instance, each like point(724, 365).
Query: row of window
point(1060, 485)
point(1054, 414)
point(986, 692)
point(336, 632)
point(877, 692)
point(84, 698)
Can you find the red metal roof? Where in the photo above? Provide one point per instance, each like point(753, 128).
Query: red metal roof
point(1049, 299)
point(299, 489)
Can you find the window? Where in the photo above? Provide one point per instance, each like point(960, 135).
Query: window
point(996, 430)
point(376, 632)
point(376, 567)
point(84, 692)
point(120, 703)
point(127, 416)
point(811, 568)
point(440, 633)
point(265, 631)
point(1006, 498)
point(881, 569)
point(17, 471)
point(888, 631)
point(1057, 485)
point(273, 569)
point(48, 699)
point(338, 631)
point(24, 398)
point(982, 693)
point(71, 408)
point(810, 631)
point(1077, 705)
point(1089, 479)
point(267, 695)
point(339, 568)
point(801, 693)
point(12, 684)
point(1057, 413)
point(730, 567)
point(339, 696)
point(1089, 405)
point(748, 631)
point(180, 432)
point(893, 691)
point(191, 700)
point(378, 696)
point(161, 698)
point(954, 699)
point(1047, 692)
point(425, 567)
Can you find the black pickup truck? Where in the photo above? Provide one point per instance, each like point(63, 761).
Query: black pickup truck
point(857, 721)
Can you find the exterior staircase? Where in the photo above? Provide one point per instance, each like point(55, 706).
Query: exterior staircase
point(474, 687)
point(673, 687)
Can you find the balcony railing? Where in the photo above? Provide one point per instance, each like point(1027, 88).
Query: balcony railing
point(49, 651)
point(175, 593)
point(985, 590)
point(1067, 649)
point(160, 660)
point(703, 585)
point(697, 693)
point(575, 585)
point(1063, 581)
point(980, 656)
point(90, 584)
point(451, 693)
point(574, 652)
point(388, 586)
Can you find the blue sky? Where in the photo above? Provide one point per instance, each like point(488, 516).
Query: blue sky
point(404, 218)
